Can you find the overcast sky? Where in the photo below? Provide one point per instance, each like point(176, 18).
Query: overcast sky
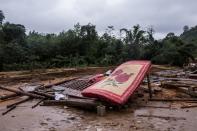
point(50, 16)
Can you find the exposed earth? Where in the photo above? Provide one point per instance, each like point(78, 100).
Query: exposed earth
point(140, 114)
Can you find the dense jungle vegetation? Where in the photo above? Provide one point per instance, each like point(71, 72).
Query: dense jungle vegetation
point(82, 46)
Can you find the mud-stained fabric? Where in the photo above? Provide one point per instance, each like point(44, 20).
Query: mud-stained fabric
point(121, 84)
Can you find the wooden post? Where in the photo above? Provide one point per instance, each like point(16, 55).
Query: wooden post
point(101, 110)
point(149, 86)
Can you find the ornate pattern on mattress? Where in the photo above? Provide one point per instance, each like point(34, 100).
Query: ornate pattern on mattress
point(121, 84)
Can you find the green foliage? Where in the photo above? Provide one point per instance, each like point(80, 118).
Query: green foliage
point(174, 51)
point(13, 32)
point(190, 37)
point(82, 46)
point(2, 17)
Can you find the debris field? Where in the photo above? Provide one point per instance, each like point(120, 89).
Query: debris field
point(52, 100)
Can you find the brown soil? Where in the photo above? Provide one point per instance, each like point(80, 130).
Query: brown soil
point(140, 114)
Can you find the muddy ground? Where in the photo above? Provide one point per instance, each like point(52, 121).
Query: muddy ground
point(140, 114)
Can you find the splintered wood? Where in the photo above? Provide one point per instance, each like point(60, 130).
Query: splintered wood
point(187, 86)
point(69, 89)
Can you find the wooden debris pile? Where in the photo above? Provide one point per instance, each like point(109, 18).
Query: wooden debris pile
point(66, 92)
point(187, 86)
point(181, 81)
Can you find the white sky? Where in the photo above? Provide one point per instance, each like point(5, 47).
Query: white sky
point(53, 16)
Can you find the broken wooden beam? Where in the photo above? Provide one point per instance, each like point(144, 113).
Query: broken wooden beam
point(163, 117)
point(181, 79)
point(185, 88)
point(37, 103)
point(83, 103)
point(192, 76)
point(174, 84)
point(9, 96)
point(189, 106)
point(22, 93)
point(149, 86)
point(148, 106)
point(44, 94)
point(19, 102)
point(171, 100)
point(10, 109)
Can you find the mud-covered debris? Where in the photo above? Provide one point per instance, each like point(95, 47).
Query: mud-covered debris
point(163, 117)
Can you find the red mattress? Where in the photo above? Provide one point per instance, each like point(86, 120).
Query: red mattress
point(121, 84)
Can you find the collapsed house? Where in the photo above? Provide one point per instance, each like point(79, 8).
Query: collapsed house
point(98, 91)
point(101, 91)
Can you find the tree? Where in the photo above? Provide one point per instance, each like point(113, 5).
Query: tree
point(185, 28)
point(170, 35)
point(135, 38)
point(150, 33)
point(174, 51)
point(82, 45)
point(89, 32)
point(2, 17)
point(13, 32)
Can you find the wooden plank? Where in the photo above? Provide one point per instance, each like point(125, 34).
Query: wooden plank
point(19, 102)
point(149, 86)
point(9, 96)
point(189, 106)
point(163, 117)
point(171, 100)
point(10, 109)
point(22, 93)
point(83, 103)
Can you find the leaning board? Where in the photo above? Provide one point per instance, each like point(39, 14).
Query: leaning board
point(121, 84)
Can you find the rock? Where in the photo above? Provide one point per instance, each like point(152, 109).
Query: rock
point(101, 110)
point(71, 118)
point(66, 107)
point(66, 121)
point(98, 129)
point(48, 119)
point(52, 129)
point(43, 123)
